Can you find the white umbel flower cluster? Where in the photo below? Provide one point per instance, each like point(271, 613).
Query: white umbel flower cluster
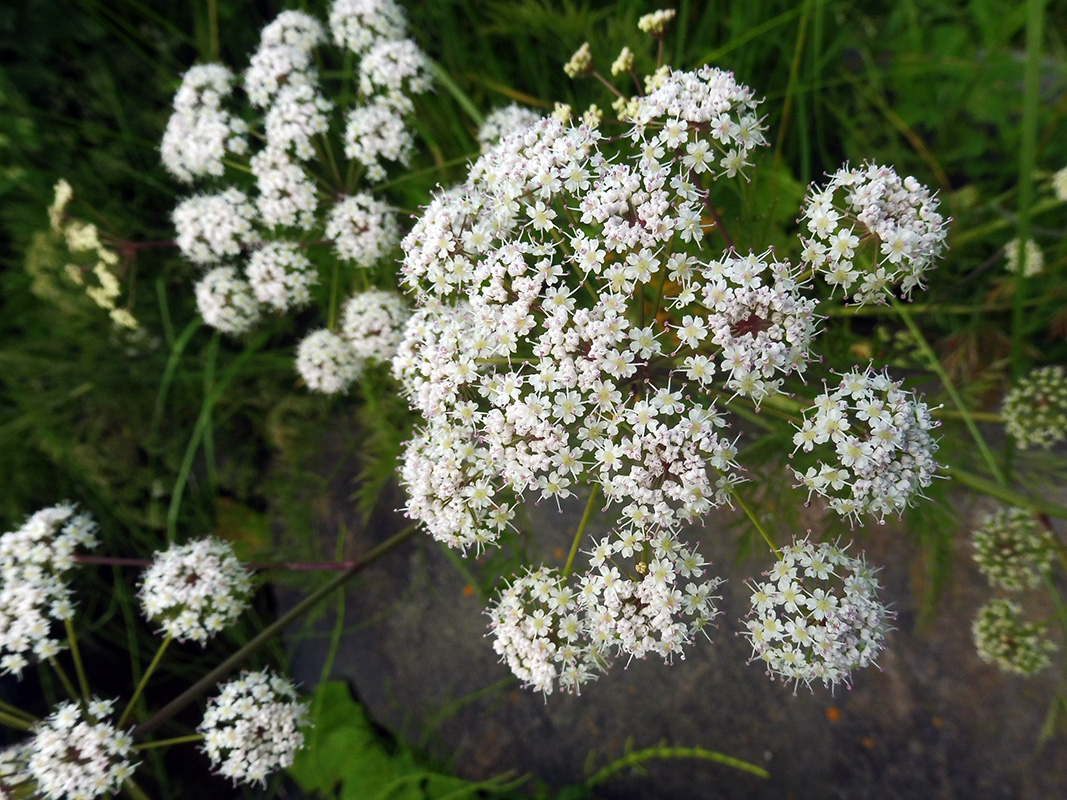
point(1059, 185)
point(15, 780)
point(297, 195)
point(253, 727)
point(1033, 259)
point(363, 229)
point(526, 391)
point(193, 591)
point(873, 439)
point(817, 615)
point(214, 227)
point(327, 363)
point(76, 755)
point(357, 24)
point(503, 122)
point(33, 592)
point(201, 131)
point(1012, 550)
point(281, 276)
point(1035, 410)
point(372, 325)
point(872, 208)
point(644, 594)
point(544, 359)
point(395, 69)
point(1003, 636)
point(227, 302)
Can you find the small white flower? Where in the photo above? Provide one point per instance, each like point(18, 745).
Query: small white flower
point(213, 227)
point(33, 591)
point(1033, 260)
point(327, 363)
point(253, 727)
point(879, 437)
point(1012, 550)
point(1002, 636)
point(74, 755)
point(194, 590)
point(817, 628)
point(1035, 410)
point(363, 229)
point(226, 301)
point(897, 216)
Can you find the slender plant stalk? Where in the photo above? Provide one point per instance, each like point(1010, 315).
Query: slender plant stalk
point(75, 653)
point(631, 760)
point(202, 422)
point(965, 413)
point(1000, 223)
point(759, 525)
point(192, 737)
point(15, 711)
point(1035, 15)
point(790, 89)
point(144, 680)
point(1009, 496)
point(133, 790)
point(925, 308)
point(335, 296)
point(586, 515)
point(264, 636)
point(212, 30)
point(168, 373)
point(67, 685)
point(16, 722)
point(980, 416)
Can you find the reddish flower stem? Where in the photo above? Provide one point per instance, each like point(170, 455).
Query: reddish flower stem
point(291, 566)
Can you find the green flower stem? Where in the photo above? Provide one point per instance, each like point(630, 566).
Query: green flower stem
point(1032, 74)
point(1009, 496)
point(586, 515)
point(631, 760)
point(980, 416)
point(75, 654)
point(264, 636)
point(144, 680)
point(965, 413)
point(199, 430)
point(335, 295)
point(168, 374)
point(923, 308)
point(759, 525)
point(71, 691)
point(133, 790)
point(461, 97)
point(15, 711)
point(1001, 223)
point(192, 737)
point(334, 170)
point(212, 31)
point(237, 165)
point(12, 721)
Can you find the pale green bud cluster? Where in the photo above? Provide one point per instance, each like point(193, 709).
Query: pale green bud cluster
point(1003, 637)
point(1012, 550)
point(1035, 411)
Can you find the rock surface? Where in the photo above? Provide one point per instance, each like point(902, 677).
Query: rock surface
point(934, 722)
